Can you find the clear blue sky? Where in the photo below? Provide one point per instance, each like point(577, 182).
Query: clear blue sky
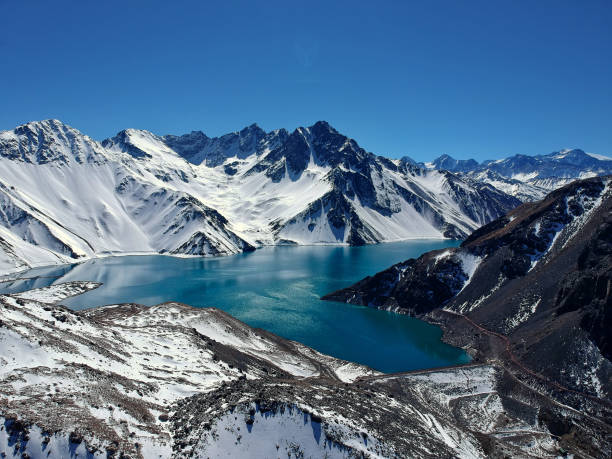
point(480, 79)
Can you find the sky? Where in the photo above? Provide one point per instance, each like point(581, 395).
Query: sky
point(480, 79)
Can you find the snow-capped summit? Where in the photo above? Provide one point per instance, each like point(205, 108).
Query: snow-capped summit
point(49, 141)
point(529, 177)
point(64, 197)
point(198, 148)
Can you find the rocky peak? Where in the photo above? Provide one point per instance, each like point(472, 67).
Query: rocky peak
point(252, 130)
point(322, 128)
point(575, 157)
point(189, 146)
point(48, 141)
point(449, 163)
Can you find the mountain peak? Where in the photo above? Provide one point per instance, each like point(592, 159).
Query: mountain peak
point(127, 140)
point(449, 163)
point(252, 129)
point(322, 126)
point(568, 152)
point(46, 122)
point(49, 140)
point(50, 124)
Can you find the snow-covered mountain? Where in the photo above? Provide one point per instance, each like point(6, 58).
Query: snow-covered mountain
point(529, 178)
point(65, 196)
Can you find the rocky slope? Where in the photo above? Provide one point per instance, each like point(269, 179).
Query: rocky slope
point(529, 178)
point(174, 381)
point(65, 197)
point(532, 288)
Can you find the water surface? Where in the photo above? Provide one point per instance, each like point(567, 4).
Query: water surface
point(278, 289)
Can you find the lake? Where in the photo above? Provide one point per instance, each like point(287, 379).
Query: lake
point(277, 289)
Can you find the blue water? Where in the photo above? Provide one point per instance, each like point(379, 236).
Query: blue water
point(278, 289)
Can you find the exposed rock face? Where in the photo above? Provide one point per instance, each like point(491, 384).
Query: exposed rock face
point(200, 195)
point(174, 381)
point(532, 288)
point(446, 162)
point(198, 148)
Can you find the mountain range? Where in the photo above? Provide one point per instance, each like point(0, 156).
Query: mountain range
point(527, 294)
point(529, 178)
point(66, 197)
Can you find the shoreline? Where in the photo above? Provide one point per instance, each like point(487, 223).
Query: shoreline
point(4, 275)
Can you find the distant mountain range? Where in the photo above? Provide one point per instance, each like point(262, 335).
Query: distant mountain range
point(528, 177)
point(65, 196)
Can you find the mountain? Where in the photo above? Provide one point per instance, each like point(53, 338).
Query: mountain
point(65, 196)
point(531, 289)
point(526, 177)
point(545, 265)
point(175, 381)
point(446, 162)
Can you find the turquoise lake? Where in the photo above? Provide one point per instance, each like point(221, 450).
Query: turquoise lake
point(277, 289)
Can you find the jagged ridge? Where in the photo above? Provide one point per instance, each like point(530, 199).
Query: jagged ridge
point(196, 195)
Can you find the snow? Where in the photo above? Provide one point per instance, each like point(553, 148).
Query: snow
point(110, 373)
point(162, 353)
point(84, 200)
point(56, 293)
point(469, 263)
point(41, 444)
point(107, 205)
point(600, 157)
point(443, 255)
point(526, 308)
point(287, 433)
point(588, 206)
point(135, 332)
point(565, 233)
point(468, 306)
point(524, 177)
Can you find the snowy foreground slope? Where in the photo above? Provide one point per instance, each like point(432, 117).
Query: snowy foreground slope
point(65, 196)
point(174, 381)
